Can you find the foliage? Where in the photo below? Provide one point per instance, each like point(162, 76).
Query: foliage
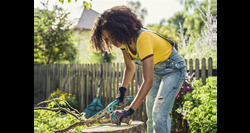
point(179, 101)
point(168, 31)
point(97, 58)
point(198, 34)
point(71, 99)
point(194, 29)
point(200, 107)
point(49, 121)
point(136, 7)
point(53, 40)
point(85, 3)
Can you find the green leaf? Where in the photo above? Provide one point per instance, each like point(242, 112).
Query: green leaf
point(62, 103)
point(88, 5)
point(61, 1)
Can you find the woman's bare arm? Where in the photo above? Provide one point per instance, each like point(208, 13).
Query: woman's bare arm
point(148, 74)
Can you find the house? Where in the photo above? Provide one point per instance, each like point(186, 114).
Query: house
point(87, 19)
point(83, 30)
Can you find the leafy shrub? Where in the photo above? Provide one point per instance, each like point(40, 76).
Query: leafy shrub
point(46, 121)
point(179, 101)
point(53, 36)
point(71, 99)
point(200, 107)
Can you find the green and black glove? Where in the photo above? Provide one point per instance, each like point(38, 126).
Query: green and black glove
point(118, 115)
point(121, 95)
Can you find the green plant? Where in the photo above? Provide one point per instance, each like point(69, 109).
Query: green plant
point(71, 99)
point(200, 107)
point(179, 101)
point(198, 33)
point(53, 36)
point(49, 121)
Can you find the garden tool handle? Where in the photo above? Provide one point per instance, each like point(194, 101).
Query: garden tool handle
point(100, 80)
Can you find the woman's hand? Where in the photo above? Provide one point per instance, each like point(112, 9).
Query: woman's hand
point(121, 95)
point(117, 116)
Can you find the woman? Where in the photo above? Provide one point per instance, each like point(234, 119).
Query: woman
point(163, 69)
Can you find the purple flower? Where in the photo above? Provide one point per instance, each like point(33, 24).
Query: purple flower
point(183, 85)
point(187, 89)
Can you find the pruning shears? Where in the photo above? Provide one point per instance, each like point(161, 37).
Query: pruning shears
point(109, 109)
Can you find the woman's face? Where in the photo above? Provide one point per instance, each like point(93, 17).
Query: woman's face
point(106, 35)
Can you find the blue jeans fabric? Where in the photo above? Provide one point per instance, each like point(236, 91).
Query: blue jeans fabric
point(169, 76)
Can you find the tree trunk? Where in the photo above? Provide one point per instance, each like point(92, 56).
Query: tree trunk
point(135, 127)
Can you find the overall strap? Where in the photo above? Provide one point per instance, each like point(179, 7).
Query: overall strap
point(170, 41)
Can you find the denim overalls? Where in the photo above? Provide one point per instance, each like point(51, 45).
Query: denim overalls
point(169, 76)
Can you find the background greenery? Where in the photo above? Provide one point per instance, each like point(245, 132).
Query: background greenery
point(194, 30)
point(200, 107)
point(53, 40)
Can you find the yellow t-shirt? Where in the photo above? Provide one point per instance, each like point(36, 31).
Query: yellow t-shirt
point(150, 44)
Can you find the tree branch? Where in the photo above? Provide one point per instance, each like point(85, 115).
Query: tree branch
point(48, 101)
point(88, 123)
point(58, 109)
point(77, 116)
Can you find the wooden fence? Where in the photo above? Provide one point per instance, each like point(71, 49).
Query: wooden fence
point(81, 80)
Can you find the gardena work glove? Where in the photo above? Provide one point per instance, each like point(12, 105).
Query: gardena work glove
point(121, 95)
point(117, 116)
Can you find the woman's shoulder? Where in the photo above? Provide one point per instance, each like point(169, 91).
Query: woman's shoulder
point(144, 35)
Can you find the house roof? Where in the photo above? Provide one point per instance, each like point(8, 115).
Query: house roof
point(87, 19)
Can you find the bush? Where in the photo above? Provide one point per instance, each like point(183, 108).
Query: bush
point(178, 105)
point(53, 36)
point(200, 107)
point(71, 99)
point(46, 121)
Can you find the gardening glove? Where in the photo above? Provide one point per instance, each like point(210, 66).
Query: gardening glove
point(121, 95)
point(117, 116)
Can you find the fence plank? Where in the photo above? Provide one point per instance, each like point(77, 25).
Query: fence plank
point(48, 82)
point(197, 69)
point(210, 66)
point(203, 71)
point(93, 87)
point(106, 84)
point(43, 78)
point(87, 84)
point(109, 82)
point(191, 66)
point(79, 88)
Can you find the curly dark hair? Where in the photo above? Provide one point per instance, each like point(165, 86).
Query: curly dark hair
point(121, 24)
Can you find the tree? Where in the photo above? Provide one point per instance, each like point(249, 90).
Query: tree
point(136, 7)
point(53, 37)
